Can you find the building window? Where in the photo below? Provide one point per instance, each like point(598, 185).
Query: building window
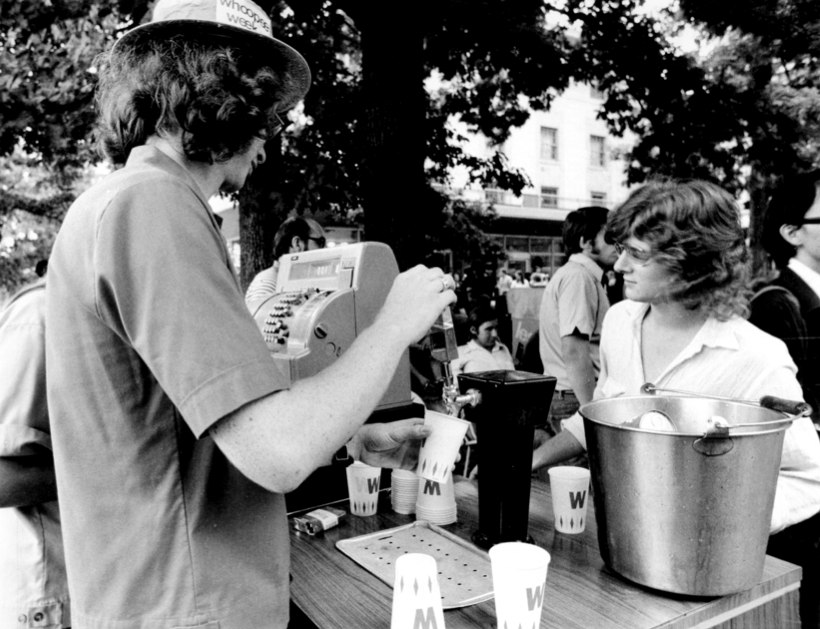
point(549, 197)
point(598, 198)
point(598, 151)
point(549, 144)
point(494, 196)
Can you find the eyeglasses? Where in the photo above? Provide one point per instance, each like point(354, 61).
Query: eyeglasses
point(320, 241)
point(639, 257)
point(809, 221)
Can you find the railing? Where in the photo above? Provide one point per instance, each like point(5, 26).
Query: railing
point(505, 197)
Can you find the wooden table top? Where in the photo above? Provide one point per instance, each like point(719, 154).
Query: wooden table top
point(336, 593)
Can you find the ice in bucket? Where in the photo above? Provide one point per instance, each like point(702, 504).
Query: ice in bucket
point(570, 493)
point(416, 593)
point(363, 488)
point(519, 583)
point(439, 451)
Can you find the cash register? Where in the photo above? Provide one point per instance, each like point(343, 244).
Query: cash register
point(325, 298)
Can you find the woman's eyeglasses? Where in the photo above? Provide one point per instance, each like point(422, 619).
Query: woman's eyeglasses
point(637, 256)
point(320, 241)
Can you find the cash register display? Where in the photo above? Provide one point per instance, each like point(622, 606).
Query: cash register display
point(315, 269)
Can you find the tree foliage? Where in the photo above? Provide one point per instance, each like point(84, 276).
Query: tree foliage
point(742, 116)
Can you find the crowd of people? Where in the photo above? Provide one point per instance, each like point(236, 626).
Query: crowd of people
point(148, 439)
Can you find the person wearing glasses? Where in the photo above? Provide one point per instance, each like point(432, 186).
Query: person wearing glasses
point(296, 234)
point(682, 253)
point(175, 435)
point(572, 312)
point(788, 307)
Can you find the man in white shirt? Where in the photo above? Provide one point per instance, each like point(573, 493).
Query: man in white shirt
point(484, 352)
point(296, 234)
point(789, 306)
point(33, 583)
point(572, 312)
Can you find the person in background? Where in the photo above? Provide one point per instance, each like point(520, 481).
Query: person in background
point(684, 261)
point(296, 234)
point(484, 352)
point(504, 283)
point(572, 312)
point(519, 281)
point(788, 307)
point(33, 583)
point(175, 435)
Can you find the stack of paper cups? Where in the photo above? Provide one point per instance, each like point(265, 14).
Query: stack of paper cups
point(405, 490)
point(436, 501)
point(416, 594)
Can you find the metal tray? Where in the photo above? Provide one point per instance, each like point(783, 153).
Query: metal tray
point(464, 574)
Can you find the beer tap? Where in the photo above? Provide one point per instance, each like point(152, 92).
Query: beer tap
point(444, 348)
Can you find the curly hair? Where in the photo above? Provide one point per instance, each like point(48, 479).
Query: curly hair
point(217, 98)
point(693, 229)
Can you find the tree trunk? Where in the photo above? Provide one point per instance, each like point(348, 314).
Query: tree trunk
point(758, 192)
point(393, 175)
point(261, 212)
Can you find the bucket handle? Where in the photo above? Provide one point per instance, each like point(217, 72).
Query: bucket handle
point(790, 407)
point(716, 441)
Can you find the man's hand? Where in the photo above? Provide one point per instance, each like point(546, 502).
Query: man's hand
point(416, 299)
point(393, 445)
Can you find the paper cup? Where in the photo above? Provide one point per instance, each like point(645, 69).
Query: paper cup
point(570, 494)
point(439, 451)
point(416, 594)
point(363, 488)
point(519, 583)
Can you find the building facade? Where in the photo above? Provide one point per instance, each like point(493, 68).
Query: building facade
point(571, 160)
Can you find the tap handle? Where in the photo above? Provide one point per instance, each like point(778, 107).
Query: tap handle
point(443, 344)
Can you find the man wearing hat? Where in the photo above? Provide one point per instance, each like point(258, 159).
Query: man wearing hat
point(175, 436)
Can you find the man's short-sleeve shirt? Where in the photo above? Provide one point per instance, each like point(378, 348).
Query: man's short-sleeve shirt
point(473, 358)
point(150, 343)
point(33, 582)
point(574, 301)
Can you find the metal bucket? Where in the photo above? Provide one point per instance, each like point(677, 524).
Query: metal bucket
point(684, 512)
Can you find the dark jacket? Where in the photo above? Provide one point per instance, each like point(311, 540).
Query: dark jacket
point(793, 315)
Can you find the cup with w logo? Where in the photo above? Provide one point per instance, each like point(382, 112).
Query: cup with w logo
point(438, 453)
point(363, 488)
point(416, 594)
point(570, 492)
point(519, 583)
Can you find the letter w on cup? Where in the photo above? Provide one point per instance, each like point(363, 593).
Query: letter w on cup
point(428, 621)
point(576, 499)
point(371, 485)
point(535, 598)
point(431, 488)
